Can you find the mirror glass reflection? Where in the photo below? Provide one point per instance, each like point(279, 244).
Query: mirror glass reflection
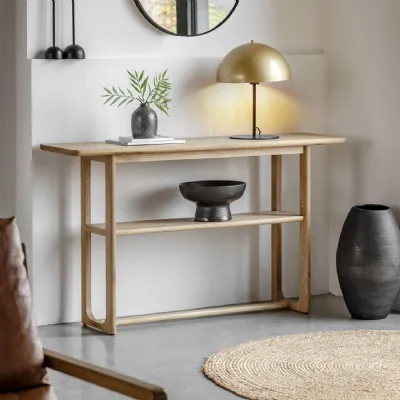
point(187, 17)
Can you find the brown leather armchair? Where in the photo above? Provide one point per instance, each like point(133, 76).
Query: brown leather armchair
point(122, 384)
point(102, 377)
point(23, 374)
point(107, 379)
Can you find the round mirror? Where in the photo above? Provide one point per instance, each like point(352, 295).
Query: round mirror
point(187, 17)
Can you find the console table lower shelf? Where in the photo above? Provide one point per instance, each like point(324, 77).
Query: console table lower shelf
point(198, 313)
point(196, 148)
point(188, 224)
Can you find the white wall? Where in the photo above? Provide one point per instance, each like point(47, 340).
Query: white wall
point(172, 271)
point(23, 132)
point(363, 55)
point(116, 29)
point(188, 269)
point(7, 109)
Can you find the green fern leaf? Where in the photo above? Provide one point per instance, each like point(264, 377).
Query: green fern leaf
point(135, 87)
point(161, 108)
point(122, 103)
point(144, 84)
point(115, 100)
point(108, 100)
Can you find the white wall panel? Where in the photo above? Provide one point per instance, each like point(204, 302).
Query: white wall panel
point(363, 104)
point(177, 270)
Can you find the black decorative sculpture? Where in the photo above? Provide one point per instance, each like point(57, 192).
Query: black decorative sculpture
point(74, 51)
point(54, 52)
point(368, 261)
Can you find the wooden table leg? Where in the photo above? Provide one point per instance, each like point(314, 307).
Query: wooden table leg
point(276, 229)
point(303, 303)
point(86, 241)
point(110, 323)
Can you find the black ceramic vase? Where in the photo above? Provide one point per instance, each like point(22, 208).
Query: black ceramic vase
point(144, 122)
point(368, 261)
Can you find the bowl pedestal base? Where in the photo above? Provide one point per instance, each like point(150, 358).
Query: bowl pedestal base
point(213, 213)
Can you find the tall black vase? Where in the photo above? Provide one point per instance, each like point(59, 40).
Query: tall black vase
point(368, 261)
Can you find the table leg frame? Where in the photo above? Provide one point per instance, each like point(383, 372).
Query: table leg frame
point(303, 303)
point(109, 324)
point(276, 229)
point(86, 242)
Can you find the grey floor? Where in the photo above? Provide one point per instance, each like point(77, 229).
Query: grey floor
point(171, 354)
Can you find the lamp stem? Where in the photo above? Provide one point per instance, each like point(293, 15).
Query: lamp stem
point(73, 22)
point(54, 23)
point(254, 110)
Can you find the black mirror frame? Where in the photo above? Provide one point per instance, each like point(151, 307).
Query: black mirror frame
point(159, 27)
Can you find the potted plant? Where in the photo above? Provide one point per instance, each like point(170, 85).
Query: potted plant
point(144, 118)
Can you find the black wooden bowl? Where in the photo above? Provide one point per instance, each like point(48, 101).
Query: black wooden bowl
point(212, 198)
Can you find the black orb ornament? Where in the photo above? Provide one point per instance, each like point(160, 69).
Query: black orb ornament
point(54, 52)
point(74, 51)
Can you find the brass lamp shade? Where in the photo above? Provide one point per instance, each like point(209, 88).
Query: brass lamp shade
point(253, 63)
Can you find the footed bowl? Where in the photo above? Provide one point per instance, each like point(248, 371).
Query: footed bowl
point(212, 198)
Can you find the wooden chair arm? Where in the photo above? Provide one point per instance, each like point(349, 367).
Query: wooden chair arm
point(107, 379)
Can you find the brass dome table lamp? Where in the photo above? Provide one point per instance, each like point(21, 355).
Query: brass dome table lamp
point(253, 63)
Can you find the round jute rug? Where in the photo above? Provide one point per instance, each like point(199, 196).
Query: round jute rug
point(347, 365)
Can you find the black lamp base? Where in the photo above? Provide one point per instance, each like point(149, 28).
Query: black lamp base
point(74, 52)
point(258, 137)
point(53, 53)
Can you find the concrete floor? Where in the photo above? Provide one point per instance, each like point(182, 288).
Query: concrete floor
point(171, 354)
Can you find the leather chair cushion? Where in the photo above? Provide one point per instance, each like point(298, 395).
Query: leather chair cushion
point(21, 353)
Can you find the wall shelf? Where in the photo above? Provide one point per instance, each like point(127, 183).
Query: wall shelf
point(188, 224)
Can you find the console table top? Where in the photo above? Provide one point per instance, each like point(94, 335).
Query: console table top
point(199, 144)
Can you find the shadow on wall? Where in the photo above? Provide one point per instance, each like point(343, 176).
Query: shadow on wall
point(396, 212)
point(61, 236)
point(344, 162)
point(7, 108)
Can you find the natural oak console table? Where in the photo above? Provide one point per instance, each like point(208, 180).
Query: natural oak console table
point(194, 148)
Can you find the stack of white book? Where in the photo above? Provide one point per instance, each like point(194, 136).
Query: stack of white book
point(130, 141)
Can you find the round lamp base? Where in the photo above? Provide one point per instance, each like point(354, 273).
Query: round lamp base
point(258, 137)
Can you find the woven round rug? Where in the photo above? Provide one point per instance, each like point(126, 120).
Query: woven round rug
point(347, 365)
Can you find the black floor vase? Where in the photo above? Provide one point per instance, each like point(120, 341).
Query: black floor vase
point(368, 261)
